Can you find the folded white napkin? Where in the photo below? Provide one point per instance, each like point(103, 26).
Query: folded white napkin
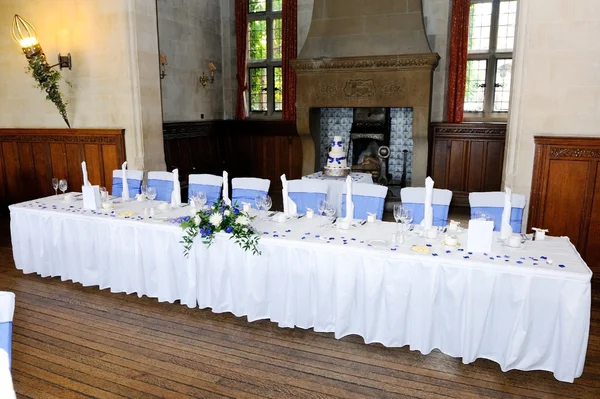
point(125, 194)
point(86, 182)
point(428, 211)
point(349, 202)
point(226, 188)
point(176, 194)
point(505, 227)
point(286, 205)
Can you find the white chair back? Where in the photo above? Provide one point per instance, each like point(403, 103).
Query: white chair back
point(7, 311)
point(492, 204)
point(305, 194)
point(134, 182)
point(209, 184)
point(367, 198)
point(246, 189)
point(414, 199)
point(163, 183)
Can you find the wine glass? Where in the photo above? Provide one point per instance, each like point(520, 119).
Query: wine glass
point(267, 203)
point(143, 190)
point(407, 218)
point(151, 194)
point(259, 201)
point(62, 185)
point(321, 206)
point(329, 212)
point(55, 185)
point(200, 199)
point(398, 214)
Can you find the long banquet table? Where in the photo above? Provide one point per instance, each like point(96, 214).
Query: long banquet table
point(526, 309)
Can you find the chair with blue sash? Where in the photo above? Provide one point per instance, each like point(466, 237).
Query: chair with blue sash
point(163, 183)
point(134, 181)
point(413, 198)
point(211, 185)
point(492, 204)
point(367, 198)
point(246, 189)
point(7, 310)
point(306, 194)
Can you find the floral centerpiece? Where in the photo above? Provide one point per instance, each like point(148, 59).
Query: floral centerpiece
point(220, 218)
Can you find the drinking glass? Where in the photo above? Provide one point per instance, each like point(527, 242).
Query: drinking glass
point(143, 190)
point(321, 206)
point(267, 203)
point(55, 185)
point(407, 218)
point(62, 185)
point(151, 194)
point(200, 199)
point(259, 201)
point(329, 212)
point(103, 195)
point(398, 214)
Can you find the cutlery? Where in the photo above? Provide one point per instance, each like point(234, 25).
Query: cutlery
point(363, 222)
point(334, 220)
point(301, 216)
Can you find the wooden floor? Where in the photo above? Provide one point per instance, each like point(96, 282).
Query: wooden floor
point(70, 341)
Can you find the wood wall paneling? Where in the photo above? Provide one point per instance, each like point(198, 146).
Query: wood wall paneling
point(565, 192)
point(467, 157)
point(29, 158)
point(248, 148)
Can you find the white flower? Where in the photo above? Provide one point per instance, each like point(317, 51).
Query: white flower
point(197, 220)
point(215, 219)
point(227, 212)
point(242, 220)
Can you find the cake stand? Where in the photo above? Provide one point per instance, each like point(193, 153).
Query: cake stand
point(336, 172)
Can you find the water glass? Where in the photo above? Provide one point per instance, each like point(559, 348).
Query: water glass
point(321, 206)
point(62, 185)
point(143, 190)
point(267, 203)
point(200, 199)
point(150, 193)
point(407, 218)
point(329, 212)
point(398, 209)
point(259, 201)
point(103, 195)
point(55, 185)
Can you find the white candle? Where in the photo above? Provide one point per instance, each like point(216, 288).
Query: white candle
point(246, 207)
point(310, 213)
point(371, 217)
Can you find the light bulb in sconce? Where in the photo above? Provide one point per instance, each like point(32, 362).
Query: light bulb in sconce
point(163, 62)
point(205, 79)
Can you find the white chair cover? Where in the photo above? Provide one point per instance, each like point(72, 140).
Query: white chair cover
point(305, 194)
point(134, 182)
point(163, 183)
point(209, 184)
point(492, 203)
point(7, 310)
point(246, 189)
point(414, 198)
point(367, 198)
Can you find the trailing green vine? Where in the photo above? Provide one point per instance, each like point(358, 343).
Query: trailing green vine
point(47, 80)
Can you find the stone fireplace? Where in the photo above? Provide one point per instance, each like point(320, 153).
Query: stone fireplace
point(338, 67)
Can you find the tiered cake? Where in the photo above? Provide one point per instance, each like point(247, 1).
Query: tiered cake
point(337, 164)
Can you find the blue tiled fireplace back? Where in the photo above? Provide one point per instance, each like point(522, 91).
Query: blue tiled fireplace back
point(338, 121)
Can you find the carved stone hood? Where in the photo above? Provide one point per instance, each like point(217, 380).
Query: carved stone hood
point(347, 61)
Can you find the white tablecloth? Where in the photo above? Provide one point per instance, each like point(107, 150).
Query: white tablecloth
point(509, 306)
point(336, 186)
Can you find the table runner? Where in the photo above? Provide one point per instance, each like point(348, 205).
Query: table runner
point(510, 305)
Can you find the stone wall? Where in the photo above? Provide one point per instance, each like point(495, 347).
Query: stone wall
point(556, 80)
point(114, 81)
point(190, 36)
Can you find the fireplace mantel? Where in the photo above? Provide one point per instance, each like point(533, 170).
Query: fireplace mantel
point(369, 81)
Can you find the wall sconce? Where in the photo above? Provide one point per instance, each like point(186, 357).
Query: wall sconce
point(205, 79)
point(163, 61)
point(24, 34)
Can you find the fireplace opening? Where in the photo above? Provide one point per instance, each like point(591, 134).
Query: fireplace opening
point(378, 141)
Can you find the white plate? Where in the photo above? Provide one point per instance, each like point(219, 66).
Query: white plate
point(378, 243)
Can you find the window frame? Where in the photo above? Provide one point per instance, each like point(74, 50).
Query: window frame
point(269, 63)
point(491, 55)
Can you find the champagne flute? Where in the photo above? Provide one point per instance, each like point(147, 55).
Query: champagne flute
point(259, 200)
point(398, 214)
point(200, 199)
point(62, 185)
point(55, 185)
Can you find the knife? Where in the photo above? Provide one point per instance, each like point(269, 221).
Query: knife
point(334, 220)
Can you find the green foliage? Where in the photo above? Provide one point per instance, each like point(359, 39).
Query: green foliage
point(231, 221)
point(47, 80)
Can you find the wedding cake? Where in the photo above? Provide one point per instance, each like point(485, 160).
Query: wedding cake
point(337, 164)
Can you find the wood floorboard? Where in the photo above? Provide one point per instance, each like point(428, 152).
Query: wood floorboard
point(71, 341)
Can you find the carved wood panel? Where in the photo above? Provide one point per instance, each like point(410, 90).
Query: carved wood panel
point(565, 192)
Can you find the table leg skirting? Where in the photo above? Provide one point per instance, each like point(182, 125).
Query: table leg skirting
point(520, 321)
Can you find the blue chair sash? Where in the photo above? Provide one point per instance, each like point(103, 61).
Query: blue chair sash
point(440, 213)
point(135, 187)
point(213, 193)
point(6, 338)
point(516, 216)
point(240, 195)
point(363, 205)
point(307, 200)
point(164, 188)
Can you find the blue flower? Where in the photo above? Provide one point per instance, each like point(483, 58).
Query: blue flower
point(229, 229)
point(186, 219)
point(236, 211)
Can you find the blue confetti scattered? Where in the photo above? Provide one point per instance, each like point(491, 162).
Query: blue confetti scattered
point(345, 243)
point(369, 245)
point(429, 245)
point(561, 266)
point(303, 238)
point(275, 235)
point(498, 256)
point(507, 260)
point(535, 264)
point(392, 249)
point(460, 249)
point(466, 257)
point(331, 238)
point(522, 257)
point(434, 254)
point(519, 262)
point(287, 231)
point(362, 242)
point(506, 256)
point(492, 258)
point(484, 254)
point(535, 260)
point(317, 236)
point(283, 235)
point(266, 233)
point(470, 253)
point(353, 239)
point(448, 251)
point(307, 234)
point(543, 257)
